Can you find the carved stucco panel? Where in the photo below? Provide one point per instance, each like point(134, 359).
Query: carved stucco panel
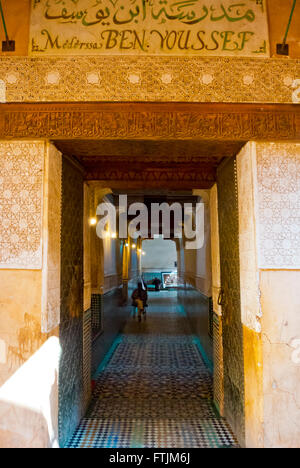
point(278, 179)
point(269, 218)
point(21, 203)
point(166, 79)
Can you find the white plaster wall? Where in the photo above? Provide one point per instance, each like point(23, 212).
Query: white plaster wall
point(281, 354)
point(160, 255)
point(198, 269)
point(112, 258)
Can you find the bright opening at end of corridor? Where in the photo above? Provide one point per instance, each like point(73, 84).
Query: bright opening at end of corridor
point(149, 226)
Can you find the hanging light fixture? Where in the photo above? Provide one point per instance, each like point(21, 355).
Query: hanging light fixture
point(7, 45)
point(93, 221)
point(283, 49)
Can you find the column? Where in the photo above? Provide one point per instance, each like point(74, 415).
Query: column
point(269, 223)
point(30, 200)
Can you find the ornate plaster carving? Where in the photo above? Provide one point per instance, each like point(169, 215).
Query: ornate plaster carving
point(21, 199)
point(192, 79)
point(278, 178)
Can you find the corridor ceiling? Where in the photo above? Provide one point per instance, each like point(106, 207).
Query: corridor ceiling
point(153, 164)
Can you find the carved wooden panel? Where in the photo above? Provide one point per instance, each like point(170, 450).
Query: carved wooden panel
point(150, 121)
point(149, 151)
point(133, 175)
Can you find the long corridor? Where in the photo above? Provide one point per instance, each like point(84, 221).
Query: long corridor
point(154, 389)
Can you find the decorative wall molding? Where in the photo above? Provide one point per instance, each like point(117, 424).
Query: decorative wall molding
point(224, 122)
point(120, 78)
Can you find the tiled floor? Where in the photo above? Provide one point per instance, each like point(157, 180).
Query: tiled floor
point(155, 390)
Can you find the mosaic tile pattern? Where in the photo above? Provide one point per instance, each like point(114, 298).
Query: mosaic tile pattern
point(218, 363)
point(97, 313)
point(155, 390)
point(166, 433)
point(87, 356)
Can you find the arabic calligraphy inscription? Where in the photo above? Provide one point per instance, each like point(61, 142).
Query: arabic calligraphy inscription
point(149, 27)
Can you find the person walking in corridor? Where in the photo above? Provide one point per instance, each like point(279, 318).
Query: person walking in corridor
point(139, 301)
point(157, 284)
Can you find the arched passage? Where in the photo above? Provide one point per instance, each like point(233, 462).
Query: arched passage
point(159, 260)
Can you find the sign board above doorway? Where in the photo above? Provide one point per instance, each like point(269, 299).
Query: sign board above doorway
point(149, 27)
